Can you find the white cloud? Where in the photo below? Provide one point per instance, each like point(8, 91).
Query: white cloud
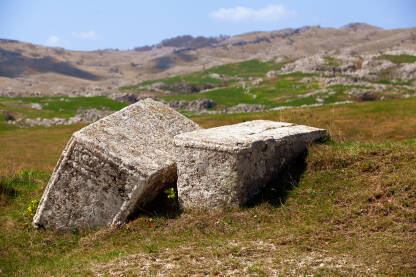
point(54, 41)
point(91, 35)
point(239, 13)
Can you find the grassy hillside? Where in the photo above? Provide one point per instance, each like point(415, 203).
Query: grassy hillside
point(247, 82)
point(228, 76)
point(251, 68)
point(349, 210)
point(50, 107)
point(58, 106)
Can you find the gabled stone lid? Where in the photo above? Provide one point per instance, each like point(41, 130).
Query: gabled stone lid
point(247, 136)
point(140, 135)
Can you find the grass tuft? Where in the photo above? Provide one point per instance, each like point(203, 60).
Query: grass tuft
point(12, 186)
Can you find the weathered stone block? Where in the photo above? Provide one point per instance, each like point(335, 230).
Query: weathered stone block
point(228, 165)
point(112, 166)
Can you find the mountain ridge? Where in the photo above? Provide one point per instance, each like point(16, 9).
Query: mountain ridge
point(189, 40)
point(101, 72)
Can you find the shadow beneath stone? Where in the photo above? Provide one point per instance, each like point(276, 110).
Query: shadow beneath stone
point(161, 206)
point(276, 191)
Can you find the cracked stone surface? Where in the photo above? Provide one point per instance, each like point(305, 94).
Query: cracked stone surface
point(227, 166)
point(112, 166)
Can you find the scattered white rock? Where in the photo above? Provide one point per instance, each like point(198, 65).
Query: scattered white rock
point(407, 72)
point(82, 116)
point(36, 106)
point(245, 108)
point(199, 105)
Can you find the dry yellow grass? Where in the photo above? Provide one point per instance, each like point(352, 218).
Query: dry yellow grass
point(33, 148)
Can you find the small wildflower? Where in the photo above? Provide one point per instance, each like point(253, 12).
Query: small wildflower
point(170, 192)
point(31, 209)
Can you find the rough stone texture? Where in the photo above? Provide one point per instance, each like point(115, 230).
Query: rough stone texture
point(228, 165)
point(112, 166)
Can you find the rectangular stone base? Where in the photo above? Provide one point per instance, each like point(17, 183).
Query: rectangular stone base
point(228, 165)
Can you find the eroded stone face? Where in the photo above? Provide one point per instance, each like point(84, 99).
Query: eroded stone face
point(112, 166)
point(228, 165)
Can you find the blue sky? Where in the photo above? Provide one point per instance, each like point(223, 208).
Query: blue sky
point(123, 24)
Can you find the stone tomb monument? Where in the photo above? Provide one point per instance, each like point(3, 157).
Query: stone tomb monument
point(226, 166)
point(112, 166)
